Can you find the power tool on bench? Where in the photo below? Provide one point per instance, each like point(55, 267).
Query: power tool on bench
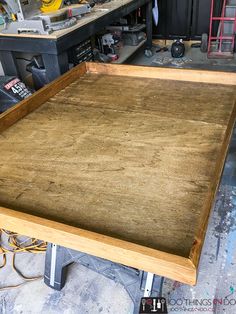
point(41, 16)
point(12, 91)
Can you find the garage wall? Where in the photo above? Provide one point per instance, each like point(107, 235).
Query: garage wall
point(187, 19)
point(174, 19)
point(200, 18)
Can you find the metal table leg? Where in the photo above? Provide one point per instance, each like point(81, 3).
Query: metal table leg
point(9, 63)
point(55, 65)
point(148, 51)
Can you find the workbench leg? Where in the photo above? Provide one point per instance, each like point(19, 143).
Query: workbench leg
point(149, 25)
point(55, 65)
point(9, 63)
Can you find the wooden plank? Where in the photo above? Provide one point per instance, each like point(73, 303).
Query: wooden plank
point(203, 76)
point(195, 252)
point(164, 264)
point(31, 103)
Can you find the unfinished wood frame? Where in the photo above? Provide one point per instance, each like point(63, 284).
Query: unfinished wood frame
point(165, 264)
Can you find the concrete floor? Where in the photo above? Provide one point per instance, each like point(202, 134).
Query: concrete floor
point(193, 59)
point(89, 292)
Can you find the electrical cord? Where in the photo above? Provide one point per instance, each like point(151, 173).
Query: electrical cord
point(30, 245)
point(3, 258)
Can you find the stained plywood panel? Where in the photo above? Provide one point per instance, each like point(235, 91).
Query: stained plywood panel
point(121, 162)
point(122, 156)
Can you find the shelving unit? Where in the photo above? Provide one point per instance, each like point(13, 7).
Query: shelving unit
point(128, 51)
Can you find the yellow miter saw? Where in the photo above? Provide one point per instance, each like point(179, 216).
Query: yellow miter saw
point(54, 5)
point(51, 5)
point(42, 16)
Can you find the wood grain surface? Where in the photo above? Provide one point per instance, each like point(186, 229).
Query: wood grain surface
point(126, 157)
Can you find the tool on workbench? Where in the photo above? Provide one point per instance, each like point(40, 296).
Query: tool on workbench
point(51, 5)
point(12, 91)
point(54, 5)
point(108, 43)
point(34, 16)
point(130, 34)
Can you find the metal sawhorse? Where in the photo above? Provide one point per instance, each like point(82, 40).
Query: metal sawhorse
point(137, 283)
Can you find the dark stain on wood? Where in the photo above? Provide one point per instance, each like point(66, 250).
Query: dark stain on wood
point(128, 157)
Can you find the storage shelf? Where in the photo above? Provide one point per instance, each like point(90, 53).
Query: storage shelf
point(127, 51)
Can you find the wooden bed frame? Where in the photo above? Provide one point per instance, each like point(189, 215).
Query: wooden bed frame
point(183, 269)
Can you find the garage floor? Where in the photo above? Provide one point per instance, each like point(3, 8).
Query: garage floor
point(89, 292)
point(193, 59)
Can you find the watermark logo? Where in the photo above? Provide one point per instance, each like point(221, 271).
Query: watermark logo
point(182, 305)
point(188, 305)
point(153, 305)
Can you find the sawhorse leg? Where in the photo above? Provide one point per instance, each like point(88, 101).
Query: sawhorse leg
point(56, 262)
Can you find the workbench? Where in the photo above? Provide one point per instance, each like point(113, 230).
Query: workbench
point(54, 47)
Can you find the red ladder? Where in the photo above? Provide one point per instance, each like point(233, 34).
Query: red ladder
point(216, 44)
